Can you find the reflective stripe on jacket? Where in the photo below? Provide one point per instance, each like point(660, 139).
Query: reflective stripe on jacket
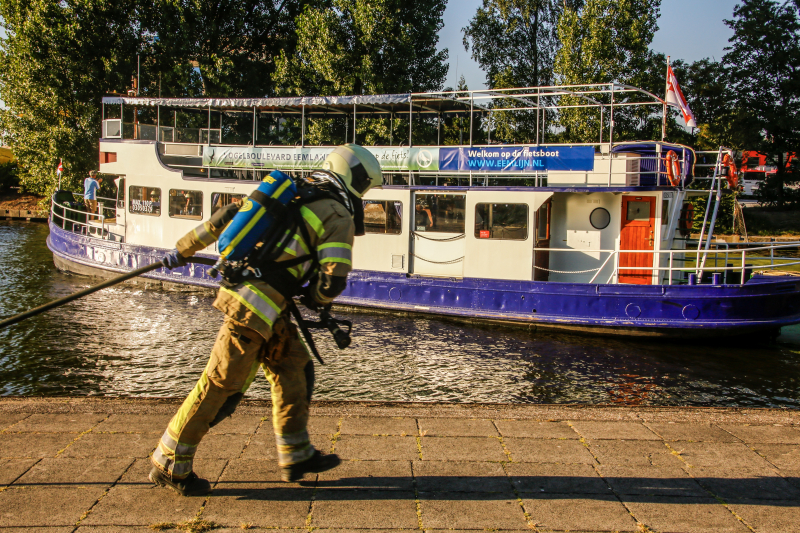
point(256, 304)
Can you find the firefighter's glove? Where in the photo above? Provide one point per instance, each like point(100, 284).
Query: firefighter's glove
point(173, 260)
point(307, 300)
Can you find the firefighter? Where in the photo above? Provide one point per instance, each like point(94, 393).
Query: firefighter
point(257, 333)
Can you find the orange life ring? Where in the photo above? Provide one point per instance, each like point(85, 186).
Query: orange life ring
point(673, 168)
point(732, 176)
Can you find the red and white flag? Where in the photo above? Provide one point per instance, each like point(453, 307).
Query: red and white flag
point(675, 98)
point(60, 168)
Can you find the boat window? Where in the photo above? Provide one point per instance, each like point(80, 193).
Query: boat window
point(383, 216)
point(664, 212)
point(501, 221)
point(221, 199)
point(600, 218)
point(441, 213)
point(638, 210)
point(145, 200)
point(186, 204)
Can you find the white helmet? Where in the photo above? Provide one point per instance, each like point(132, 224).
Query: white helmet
point(357, 167)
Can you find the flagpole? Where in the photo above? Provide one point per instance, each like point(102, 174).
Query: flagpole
point(664, 113)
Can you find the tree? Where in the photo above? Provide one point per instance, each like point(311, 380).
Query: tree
point(763, 64)
point(352, 47)
point(602, 41)
point(514, 41)
point(57, 60)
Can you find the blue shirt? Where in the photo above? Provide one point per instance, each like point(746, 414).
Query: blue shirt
point(90, 187)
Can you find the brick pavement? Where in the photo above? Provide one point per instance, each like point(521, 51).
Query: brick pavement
point(80, 466)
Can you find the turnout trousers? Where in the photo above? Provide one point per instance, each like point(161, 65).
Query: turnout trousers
point(237, 355)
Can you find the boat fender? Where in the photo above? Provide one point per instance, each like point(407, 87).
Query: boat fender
point(730, 171)
point(256, 215)
point(673, 168)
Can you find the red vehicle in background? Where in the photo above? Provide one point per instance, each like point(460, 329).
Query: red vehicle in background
point(755, 170)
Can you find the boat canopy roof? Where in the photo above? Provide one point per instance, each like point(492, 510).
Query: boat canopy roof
point(379, 104)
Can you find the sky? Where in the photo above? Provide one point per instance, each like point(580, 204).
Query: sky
point(688, 30)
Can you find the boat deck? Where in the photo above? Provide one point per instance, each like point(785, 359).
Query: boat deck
point(80, 465)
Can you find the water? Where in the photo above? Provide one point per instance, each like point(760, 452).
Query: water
point(127, 341)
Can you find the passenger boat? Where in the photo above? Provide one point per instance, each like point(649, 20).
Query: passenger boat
point(591, 237)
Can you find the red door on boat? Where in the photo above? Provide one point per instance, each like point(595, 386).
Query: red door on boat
point(638, 231)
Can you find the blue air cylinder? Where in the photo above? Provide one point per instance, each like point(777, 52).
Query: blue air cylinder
point(256, 216)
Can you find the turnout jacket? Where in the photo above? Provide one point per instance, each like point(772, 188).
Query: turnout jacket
point(256, 304)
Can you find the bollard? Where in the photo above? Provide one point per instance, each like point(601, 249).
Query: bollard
point(692, 279)
point(716, 278)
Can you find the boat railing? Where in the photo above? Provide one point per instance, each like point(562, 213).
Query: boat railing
point(94, 221)
point(698, 264)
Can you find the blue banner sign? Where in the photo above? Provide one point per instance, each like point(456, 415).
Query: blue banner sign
point(517, 158)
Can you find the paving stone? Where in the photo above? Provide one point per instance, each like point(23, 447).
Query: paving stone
point(462, 449)
point(534, 429)
point(379, 426)
point(456, 427)
point(261, 446)
point(784, 456)
point(67, 529)
point(719, 454)
point(252, 474)
point(245, 424)
point(135, 507)
point(764, 434)
point(451, 476)
point(614, 430)
point(651, 480)
point(125, 423)
point(58, 423)
point(221, 446)
point(442, 510)
point(368, 475)
point(687, 515)
point(287, 508)
point(556, 512)
point(760, 484)
point(323, 443)
point(633, 453)
point(21, 445)
point(112, 445)
point(136, 476)
point(547, 451)
point(323, 425)
point(71, 471)
point(11, 469)
point(768, 517)
point(129, 529)
point(40, 506)
point(556, 478)
point(377, 448)
point(9, 419)
point(364, 509)
point(792, 476)
point(672, 431)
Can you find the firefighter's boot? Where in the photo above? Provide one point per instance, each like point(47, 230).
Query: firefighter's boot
point(191, 485)
point(319, 462)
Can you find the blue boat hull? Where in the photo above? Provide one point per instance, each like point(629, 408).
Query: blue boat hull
point(764, 304)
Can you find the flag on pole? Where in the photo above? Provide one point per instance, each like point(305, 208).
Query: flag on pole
point(60, 168)
point(675, 98)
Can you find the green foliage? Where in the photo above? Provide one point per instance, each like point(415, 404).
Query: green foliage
point(724, 222)
point(8, 176)
point(763, 64)
point(353, 47)
point(601, 42)
point(57, 61)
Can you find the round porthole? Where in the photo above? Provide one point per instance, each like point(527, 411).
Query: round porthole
point(600, 218)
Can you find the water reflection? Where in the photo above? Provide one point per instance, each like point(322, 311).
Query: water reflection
point(126, 341)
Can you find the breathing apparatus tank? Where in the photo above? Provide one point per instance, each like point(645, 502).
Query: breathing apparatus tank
point(255, 217)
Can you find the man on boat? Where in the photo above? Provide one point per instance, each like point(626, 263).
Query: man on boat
point(90, 187)
point(257, 332)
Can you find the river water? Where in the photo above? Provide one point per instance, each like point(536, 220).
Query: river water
point(129, 341)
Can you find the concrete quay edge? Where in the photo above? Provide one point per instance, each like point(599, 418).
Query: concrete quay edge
point(541, 412)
